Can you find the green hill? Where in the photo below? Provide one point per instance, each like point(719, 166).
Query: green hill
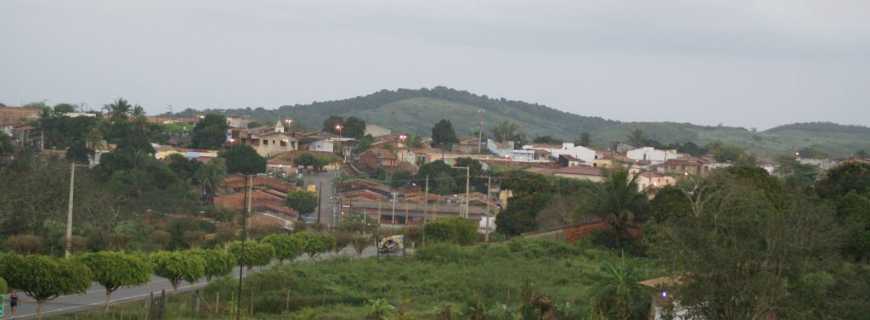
point(415, 111)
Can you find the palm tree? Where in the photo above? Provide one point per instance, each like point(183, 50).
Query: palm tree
point(618, 293)
point(620, 202)
point(210, 176)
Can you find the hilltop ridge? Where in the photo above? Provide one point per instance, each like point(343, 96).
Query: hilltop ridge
point(415, 110)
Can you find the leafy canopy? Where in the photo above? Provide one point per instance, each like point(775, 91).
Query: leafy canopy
point(243, 159)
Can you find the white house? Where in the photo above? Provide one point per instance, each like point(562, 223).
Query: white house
point(322, 145)
point(579, 152)
point(652, 155)
point(506, 150)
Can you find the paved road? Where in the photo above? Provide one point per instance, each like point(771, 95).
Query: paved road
point(326, 180)
point(96, 295)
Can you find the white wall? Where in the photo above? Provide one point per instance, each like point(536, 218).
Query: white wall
point(579, 152)
point(651, 154)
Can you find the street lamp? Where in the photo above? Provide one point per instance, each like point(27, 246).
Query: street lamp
point(338, 128)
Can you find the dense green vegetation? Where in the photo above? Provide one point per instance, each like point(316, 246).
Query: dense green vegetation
point(495, 281)
point(415, 111)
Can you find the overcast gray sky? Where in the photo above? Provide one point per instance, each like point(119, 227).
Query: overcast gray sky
point(749, 63)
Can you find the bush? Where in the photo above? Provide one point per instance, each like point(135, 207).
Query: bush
point(24, 244)
point(287, 247)
point(255, 253)
point(44, 278)
point(453, 230)
point(315, 243)
point(539, 248)
point(178, 265)
point(218, 262)
point(446, 253)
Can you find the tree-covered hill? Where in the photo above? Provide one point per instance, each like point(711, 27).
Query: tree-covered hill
point(415, 111)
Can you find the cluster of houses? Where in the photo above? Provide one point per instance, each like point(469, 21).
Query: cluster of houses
point(281, 143)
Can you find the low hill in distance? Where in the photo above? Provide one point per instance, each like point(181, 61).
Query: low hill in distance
point(415, 111)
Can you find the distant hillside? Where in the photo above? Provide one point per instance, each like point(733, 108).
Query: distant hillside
point(415, 111)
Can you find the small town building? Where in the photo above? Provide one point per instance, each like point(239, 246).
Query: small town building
point(267, 141)
point(650, 181)
point(376, 130)
point(691, 166)
point(652, 155)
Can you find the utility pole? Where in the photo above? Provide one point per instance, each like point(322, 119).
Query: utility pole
point(480, 131)
point(69, 213)
point(426, 202)
point(425, 209)
point(245, 213)
point(395, 198)
point(319, 200)
point(467, 187)
point(488, 215)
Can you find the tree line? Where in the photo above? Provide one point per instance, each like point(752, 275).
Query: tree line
point(45, 278)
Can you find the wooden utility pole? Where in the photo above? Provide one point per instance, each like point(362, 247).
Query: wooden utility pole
point(245, 213)
point(480, 131)
point(426, 202)
point(467, 189)
point(395, 199)
point(319, 200)
point(488, 215)
point(69, 213)
point(425, 209)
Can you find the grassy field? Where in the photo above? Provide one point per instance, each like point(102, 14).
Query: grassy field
point(497, 280)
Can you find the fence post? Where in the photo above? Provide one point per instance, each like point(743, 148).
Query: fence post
point(217, 303)
point(252, 302)
point(162, 307)
point(196, 303)
point(287, 302)
point(148, 309)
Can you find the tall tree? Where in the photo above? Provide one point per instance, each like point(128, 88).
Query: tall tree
point(210, 132)
point(507, 131)
point(621, 204)
point(64, 108)
point(243, 159)
point(584, 140)
point(547, 140)
point(354, 127)
point(302, 201)
point(442, 177)
point(618, 294)
point(119, 110)
point(6, 146)
point(637, 138)
point(849, 177)
point(443, 135)
point(739, 253)
point(210, 175)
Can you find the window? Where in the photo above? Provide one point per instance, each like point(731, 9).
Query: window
point(265, 142)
